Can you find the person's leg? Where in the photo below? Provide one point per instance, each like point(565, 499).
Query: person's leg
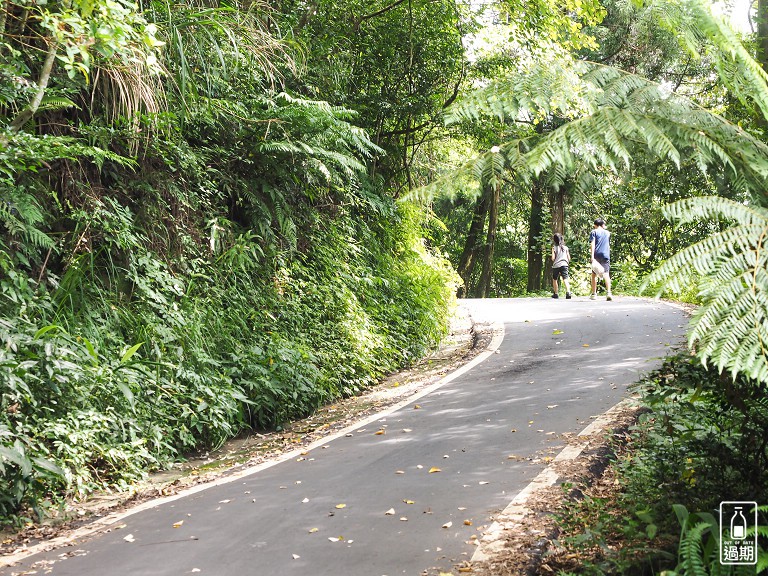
point(555, 287)
point(594, 286)
point(567, 284)
point(607, 278)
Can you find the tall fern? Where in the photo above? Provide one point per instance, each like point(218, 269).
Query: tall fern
point(730, 328)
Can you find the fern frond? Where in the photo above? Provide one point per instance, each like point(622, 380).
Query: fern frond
point(730, 328)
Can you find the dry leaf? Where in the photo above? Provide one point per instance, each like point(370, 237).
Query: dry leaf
point(340, 506)
point(467, 522)
point(585, 345)
point(416, 406)
point(313, 530)
point(305, 500)
point(409, 501)
point(462, 508)
point(399, 471)
point(551, 406)
point(483, 483)
point(390, 512)
point(403, 519)
point(557, 331)
point(296, 556)
point(447, 524)
point(407, 430)
point(224, 501)
point(434, 469)
point(178, 524)
point(380, 432)
point(129, 538)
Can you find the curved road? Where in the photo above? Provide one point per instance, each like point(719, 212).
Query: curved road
point(407, 491)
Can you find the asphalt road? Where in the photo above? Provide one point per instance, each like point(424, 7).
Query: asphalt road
point(408, 491)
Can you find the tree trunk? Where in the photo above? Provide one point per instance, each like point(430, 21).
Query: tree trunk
point(762, 33)
point(42, 84)
point(471, 247)
point(535, 259)
point(557, 209)
point(494, 193)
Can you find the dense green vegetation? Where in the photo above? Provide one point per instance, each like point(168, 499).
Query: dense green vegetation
point(188, 248)
point(219, 216)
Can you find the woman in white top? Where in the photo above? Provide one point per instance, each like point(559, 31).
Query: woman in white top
point(561, 257)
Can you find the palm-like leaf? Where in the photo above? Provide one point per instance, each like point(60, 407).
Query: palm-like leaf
point(731, 326)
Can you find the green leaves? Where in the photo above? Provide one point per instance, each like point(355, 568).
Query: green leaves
point(730, 328)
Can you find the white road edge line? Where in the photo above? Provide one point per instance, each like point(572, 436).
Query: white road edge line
point(493, 541)
point(110, 520)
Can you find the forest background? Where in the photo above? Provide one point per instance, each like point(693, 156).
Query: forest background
point(219, 216)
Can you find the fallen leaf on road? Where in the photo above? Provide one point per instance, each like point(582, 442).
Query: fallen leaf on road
point(434, 469)
point(407, 430)
point(447, 524)
point(380, 432)
point(296, 556)
point(557, 331)
point(340, 506)
point(467, 522)
point(305, 500)
point(129, 538)
point(399, 471)
point(390, 512)
point(483, 483)
point(409, 501)
point(403, 519)
point(313, 530)
point(178, 524)
point(551, 406)
point(416, 406)
point(224, 501)
point(585, 345)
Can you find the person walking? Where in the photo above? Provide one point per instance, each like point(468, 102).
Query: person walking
point(561, 257)
point(600, 257)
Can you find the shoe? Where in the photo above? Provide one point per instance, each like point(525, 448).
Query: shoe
point(609, 297)
point(567, 295)
point(593, 296)
point(555, 296)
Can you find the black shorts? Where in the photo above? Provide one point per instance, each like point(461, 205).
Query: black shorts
point(561, 272)
point(604, 262)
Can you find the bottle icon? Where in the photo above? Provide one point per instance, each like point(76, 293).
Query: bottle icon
point(738, 525)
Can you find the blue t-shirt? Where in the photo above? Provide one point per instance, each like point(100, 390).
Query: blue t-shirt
point(601, 236)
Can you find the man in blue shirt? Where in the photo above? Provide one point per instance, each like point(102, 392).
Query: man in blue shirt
point(600, 257)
